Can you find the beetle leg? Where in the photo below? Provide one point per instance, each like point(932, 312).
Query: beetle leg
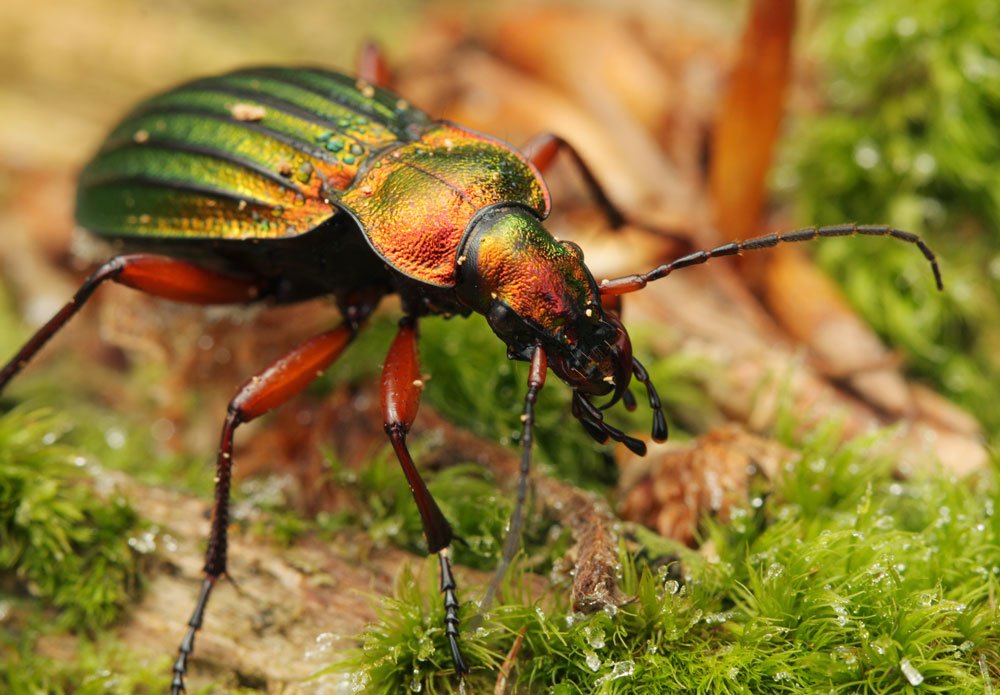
point(156, 275)
point(536, 380)
point(373, 68)
point(269, 389)
point(401, 386)
point(543, 148)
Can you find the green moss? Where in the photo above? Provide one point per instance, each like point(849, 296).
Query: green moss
point(843, 579)
point(66, 545)
point(69, 561)
point(108, 669)
point(910, 139)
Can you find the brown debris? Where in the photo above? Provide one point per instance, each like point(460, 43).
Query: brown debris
point(508, 663)
point(749, 117)
point(671, 492)
point(844, 347)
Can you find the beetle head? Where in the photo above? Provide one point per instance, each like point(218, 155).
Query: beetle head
point(535, 290)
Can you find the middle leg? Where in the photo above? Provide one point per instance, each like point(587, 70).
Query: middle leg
point(269, 389)
point(542, 150)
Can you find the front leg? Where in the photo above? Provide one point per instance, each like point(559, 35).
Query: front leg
point(401, 386)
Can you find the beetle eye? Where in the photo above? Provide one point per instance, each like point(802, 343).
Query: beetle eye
point(574, 248)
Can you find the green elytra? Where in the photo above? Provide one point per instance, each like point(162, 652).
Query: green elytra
point(273, 154)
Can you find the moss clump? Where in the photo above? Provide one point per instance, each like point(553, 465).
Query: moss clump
point(58, 540)
point(844, 579)
point(909, 138)
point(69, 561)
point(107, 669)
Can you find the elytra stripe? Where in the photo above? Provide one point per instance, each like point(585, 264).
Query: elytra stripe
point(171, 145)
point(328, 106)
point(125, 132)
point(270, 102)
point(175, 185)
point(141, 206)
point(336, 87)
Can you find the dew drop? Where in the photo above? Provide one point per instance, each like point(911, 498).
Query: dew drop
point(620, 669)
point(910, 672)
point(143, 544)
point(162, 429)
point(906, 26)
point(169, 543)
point(115, 438)
point(866, 156)
point(595, 637)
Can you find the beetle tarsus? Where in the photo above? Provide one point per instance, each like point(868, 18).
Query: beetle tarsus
point(451, 606)
point(269, 389)
point(187, 644)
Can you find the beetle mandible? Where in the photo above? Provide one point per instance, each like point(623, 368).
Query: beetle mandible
point(284, 184)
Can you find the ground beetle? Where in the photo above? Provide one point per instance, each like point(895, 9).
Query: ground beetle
point(284, 184)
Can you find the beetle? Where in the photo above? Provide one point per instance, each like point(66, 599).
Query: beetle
point(284, 184)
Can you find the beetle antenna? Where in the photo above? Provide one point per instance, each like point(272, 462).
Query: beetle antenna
point(659, 433)
point(536, 380)
point(632, 283)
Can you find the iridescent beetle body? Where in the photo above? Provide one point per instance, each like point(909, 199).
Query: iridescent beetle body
point(287, 184)
point(297, 161)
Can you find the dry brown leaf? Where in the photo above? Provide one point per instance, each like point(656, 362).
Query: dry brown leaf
point(749, 117)
point(811, 308)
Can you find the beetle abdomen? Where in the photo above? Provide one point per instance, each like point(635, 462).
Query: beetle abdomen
point(259, 153)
